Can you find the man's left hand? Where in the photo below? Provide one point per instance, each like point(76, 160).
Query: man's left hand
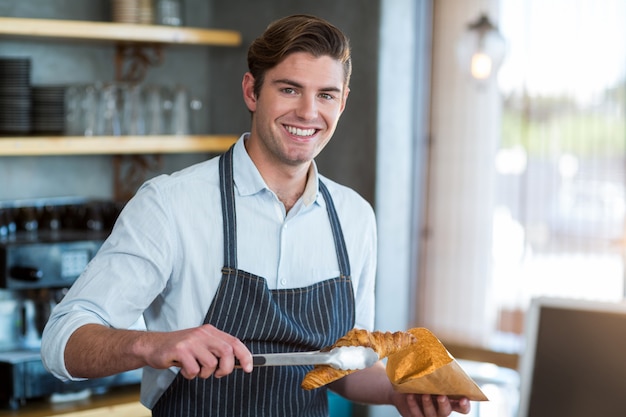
point(416, 405)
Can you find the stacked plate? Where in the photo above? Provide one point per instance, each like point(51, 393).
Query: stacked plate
point(48, 112)
point(15, 96)
point(132, 11)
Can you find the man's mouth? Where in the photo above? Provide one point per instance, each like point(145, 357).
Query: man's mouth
point(296, 131)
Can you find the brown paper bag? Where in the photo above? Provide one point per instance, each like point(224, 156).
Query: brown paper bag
point(426, 367)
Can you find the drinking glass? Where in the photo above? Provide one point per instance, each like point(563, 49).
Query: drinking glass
point(109, 120)
point(133, 114)
point(180, 111)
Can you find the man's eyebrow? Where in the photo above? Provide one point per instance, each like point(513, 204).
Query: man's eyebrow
point(298, 85)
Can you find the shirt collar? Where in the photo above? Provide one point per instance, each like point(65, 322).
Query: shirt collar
point(249, 181)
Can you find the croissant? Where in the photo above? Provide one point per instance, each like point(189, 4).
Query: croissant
point(384, 343)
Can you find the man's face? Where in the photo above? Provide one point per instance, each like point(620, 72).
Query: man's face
point(298, 107)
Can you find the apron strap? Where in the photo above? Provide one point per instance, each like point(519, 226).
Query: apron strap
point(227, 191)
point(340, 244)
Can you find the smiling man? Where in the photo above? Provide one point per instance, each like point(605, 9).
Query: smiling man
point(294, 114)
point(250, 252)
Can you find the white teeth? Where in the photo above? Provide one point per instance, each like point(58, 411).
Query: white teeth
point(299, 132)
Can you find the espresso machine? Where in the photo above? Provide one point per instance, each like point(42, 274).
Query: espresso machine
point(44, 246)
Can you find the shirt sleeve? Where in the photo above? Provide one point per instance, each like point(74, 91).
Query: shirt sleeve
point(130, 269)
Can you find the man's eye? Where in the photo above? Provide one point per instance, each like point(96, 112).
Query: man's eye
point(327, 96)
point(289, 90)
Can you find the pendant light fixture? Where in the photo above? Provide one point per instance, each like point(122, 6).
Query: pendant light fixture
point(480, 50)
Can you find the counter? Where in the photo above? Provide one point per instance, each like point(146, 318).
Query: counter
point(118, 402)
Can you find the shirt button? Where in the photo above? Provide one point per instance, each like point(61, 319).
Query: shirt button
point(283, 282)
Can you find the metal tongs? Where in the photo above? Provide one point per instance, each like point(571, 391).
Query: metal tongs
point(346, 358)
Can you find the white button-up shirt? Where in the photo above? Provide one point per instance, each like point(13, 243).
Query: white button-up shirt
point(164, 257)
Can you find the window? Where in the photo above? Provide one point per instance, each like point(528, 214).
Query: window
point(558, 218)
point(526, 177)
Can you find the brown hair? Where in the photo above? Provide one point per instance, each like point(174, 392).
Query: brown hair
point(297, 33)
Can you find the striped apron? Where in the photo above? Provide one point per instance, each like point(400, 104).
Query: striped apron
point(267, 321)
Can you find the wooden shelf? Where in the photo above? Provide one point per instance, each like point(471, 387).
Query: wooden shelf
point(113, 145)
point(121, 34)
point(117, 32)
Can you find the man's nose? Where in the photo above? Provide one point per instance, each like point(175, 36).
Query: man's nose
point(307, 107)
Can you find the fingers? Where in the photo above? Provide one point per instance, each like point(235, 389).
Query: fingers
point(197, 362)
point(194, 368)
point(227, 351)
point(461, 406)
point(429, 407)
point(413, 405)
point(205, 351)
point(435, 406)
point(444, 408)
point(244, 356)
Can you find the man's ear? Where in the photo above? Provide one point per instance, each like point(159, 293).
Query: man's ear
point(247, 87)
point(345, 99)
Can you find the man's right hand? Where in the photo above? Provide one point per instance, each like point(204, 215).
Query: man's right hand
point(199, 352)
point(95, 351)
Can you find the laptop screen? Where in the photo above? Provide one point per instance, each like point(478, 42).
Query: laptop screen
point(574, 362)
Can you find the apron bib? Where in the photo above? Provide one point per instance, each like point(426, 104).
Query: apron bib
point(267, 321)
